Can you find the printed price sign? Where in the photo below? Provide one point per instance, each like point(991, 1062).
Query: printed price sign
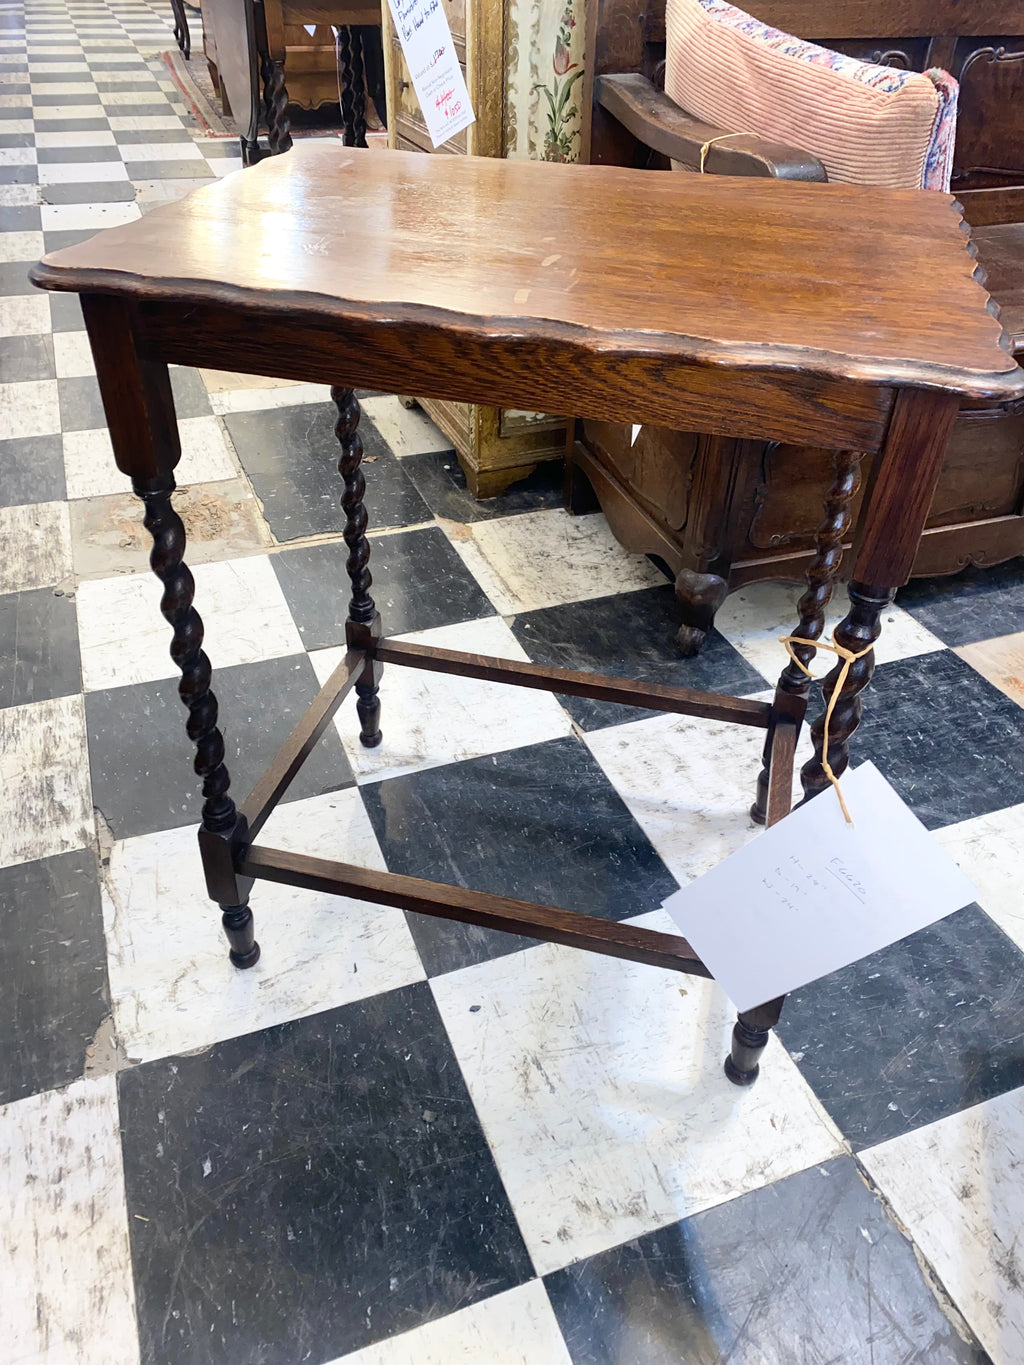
point(436, 75)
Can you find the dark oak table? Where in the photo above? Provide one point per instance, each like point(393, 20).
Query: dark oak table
point(837, 316)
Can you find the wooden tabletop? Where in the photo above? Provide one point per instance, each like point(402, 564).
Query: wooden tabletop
point(837, 280)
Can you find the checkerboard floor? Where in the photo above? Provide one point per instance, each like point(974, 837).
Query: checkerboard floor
point(398, 1140)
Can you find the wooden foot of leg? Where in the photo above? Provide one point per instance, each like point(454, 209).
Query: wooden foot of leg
point(749, 1038)
point(821, 582)
point(699, 595)
point(222, 828)
point(238, 925)
point(363, 623)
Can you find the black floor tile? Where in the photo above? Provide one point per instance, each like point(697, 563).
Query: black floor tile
point(339, 1175)
point(66, 314)
point(931, 1025)
point(15, 139)
point(947, 740)
point(98, 124)
point(26, 357)
point(63, 155)
point(130, 137)
point(977, 604)
point(57, 241)
point(14, 278)
point(809, 1269)
point(20, 217)
point(442, 484)
point(418, 582)
point(41, 101)
point(53, 964)
point(139, 110)
point(630, 635)
point(81, 408)
point(98, 192)
point(171, 170)
point(541, 823)
point(38, 647)
point(32, 471)
point(141, 758)
point(291, 457)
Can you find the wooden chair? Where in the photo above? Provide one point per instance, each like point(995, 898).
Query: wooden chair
point(246, 42)
point(722, 512)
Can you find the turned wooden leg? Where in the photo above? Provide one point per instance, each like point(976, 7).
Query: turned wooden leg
point(363, 625)
point(250, 151)
point(222, 827)
point(348, 112)
point(699, 595)
point(358, 88)
point(181, 32)
point(275, 105)
point(860, 628)
point(821, 582)
point(750, 1036)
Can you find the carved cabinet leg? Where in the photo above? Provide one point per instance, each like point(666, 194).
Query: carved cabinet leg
point(821, 582)
point(275, 105)
point(750, 1036)
point(363, 624)
point(222, 827)
point(699, 595)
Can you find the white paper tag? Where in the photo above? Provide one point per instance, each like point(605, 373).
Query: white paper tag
point(310, 29)
point(813, 894)
point(436, 75)
point(636, 433)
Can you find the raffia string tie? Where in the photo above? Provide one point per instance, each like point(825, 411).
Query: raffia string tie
point(848, 657)
point(722, 137)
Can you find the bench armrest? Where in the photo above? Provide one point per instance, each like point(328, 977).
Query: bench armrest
point(659, 123)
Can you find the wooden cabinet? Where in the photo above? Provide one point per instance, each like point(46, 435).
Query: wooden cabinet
point(525, 69)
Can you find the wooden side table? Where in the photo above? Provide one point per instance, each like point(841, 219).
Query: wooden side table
point(823, 314)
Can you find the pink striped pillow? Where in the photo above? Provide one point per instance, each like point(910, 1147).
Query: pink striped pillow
point(868, 125)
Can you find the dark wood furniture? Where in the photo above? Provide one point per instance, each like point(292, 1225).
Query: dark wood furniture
point(334, 264)
point(723, 512)
point(247, 42)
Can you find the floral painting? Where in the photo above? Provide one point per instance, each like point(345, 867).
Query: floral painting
point(544, 68)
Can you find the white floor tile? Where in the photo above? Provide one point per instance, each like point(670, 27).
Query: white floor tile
point(72, 355)
point(599, 1084)
point(990, 849)
point(162, 151)
point(70, 87)
point(16, 196)
point(753, 618)
point(24, 315)
point(36, 541)
point(21, 246)
point(89, 460)
point(53, 113)
point(124, 639)
point(408, 431)
point(224, 165)
point(112, 98)
point(64, 1260)
point(514, 1328)
point(172, 984)
point(96, 138)
point(19, 125)
point(260, 399)
point(689, 784)
point(17, 156)
point(434, 718)
point(957, 1186)
point(78, 217)
point(81, 172)
point(31, 408)
point(45, 800)
point(544, 558)
point(138, 123)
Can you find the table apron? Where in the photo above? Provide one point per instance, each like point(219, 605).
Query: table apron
point(551, 374)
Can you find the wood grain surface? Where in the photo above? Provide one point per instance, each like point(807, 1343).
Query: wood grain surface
point(841, 281)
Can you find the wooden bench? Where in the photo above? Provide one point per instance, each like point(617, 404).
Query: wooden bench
point(721, 512)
